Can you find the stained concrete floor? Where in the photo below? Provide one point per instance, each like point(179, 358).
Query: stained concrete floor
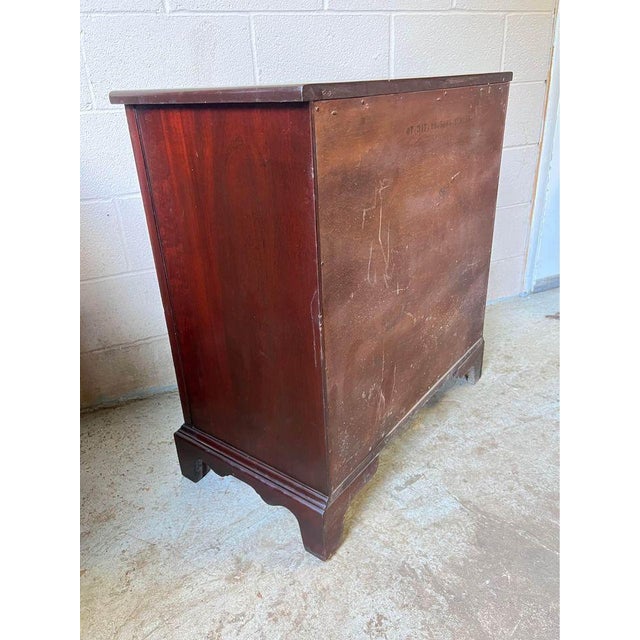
point(455, 538)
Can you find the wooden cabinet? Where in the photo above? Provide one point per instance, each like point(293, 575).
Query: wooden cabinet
point(323, 255)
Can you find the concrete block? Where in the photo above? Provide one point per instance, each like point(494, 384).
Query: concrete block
point(391, 5)
point(86, 102)
point(164, 51)
point(136, 236)
point(511, 232)
point(433, 45)
point(505, 278)
point(120, 310)
point(528, 46)
point(244, 5)
point(524, 114)
point(106, 158)
point(101, 248)
point(98, 6)
point(320, 48)
point(517, 175)
point(122, 373)
point(505, 5)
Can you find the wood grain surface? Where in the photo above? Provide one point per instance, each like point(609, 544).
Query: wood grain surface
point(302, 92)
point(232, 196)
point(407, 188)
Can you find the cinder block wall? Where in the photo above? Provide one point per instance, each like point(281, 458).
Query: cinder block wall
point(138, 44)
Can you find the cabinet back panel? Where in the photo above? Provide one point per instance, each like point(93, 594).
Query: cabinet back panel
point(407, 189)
point(232, 195)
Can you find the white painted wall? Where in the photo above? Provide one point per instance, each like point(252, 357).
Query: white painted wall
point(543, 255)
point(139, 44)
point(546, 272)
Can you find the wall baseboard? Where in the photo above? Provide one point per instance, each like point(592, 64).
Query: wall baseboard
point(139, 394)
point(544, 284)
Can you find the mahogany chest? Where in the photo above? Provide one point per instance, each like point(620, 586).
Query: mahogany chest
point(323, 253)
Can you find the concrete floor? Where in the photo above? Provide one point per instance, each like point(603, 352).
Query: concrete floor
point(455, 538)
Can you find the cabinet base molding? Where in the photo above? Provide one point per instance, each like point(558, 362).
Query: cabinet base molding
point(320, 516)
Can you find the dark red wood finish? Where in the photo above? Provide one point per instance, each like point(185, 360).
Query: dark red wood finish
point(323, 254)
point(233, 206)
point(158, 257)
point(304, 92)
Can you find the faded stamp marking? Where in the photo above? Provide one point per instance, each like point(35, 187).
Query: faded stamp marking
point(427, 127)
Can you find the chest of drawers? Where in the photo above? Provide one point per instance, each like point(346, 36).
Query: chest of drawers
point(323, 254)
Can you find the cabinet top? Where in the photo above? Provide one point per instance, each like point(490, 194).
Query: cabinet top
point(304, 92)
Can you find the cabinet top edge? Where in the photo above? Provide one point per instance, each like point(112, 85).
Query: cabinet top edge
point(303, 92)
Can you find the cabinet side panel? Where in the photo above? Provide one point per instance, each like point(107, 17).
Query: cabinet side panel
point(233, 198)
point(158, 259)
point(407, 188)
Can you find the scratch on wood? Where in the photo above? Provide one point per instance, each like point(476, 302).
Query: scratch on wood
point(386, 262)
point(393, 386)
point(369, 266)
point(382, 402)
point(378, 203)
point(364, 213)
point(385, 255)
